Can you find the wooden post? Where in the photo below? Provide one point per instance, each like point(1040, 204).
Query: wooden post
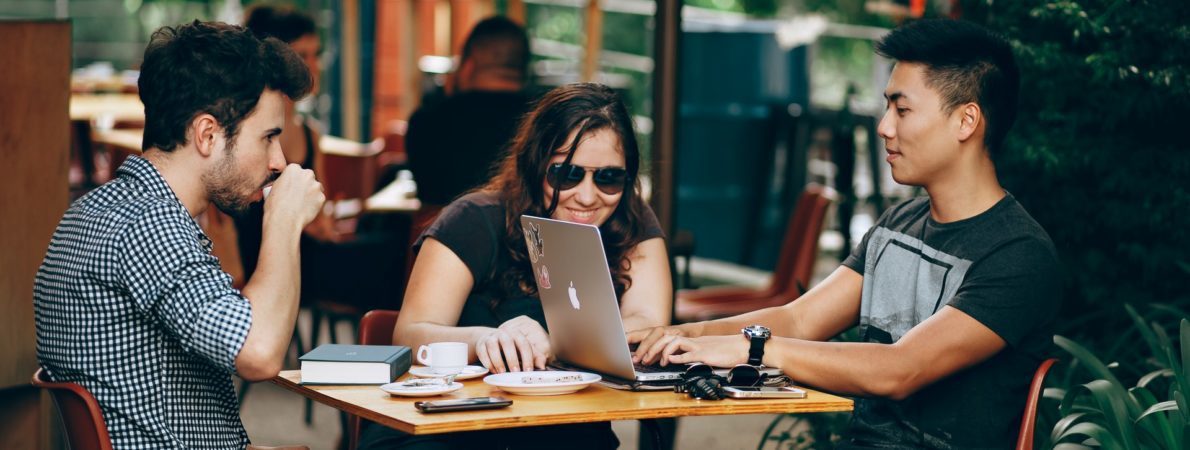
point(516, 11)
point(594, 42)
point(395, 68)
point(667, 41)
point(34, 192)
point(350, 70)
point(463, 14)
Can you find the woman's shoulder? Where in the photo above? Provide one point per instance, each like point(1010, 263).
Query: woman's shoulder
point(478, 206)
point(485, 200)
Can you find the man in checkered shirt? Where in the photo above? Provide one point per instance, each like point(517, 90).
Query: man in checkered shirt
point(129, 301)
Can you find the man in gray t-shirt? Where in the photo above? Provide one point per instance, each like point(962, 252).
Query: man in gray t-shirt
point(954, 295)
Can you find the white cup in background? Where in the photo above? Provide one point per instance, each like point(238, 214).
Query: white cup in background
point(443, 358)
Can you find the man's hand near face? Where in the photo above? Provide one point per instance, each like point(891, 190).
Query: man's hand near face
point(295, 200)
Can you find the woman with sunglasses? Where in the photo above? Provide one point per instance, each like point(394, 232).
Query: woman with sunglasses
point(574, 158)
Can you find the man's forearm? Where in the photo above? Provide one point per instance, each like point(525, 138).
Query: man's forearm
point(273, 291)
point(775, 318)
point(853, 368)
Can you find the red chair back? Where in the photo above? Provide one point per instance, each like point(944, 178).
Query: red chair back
point(376, 328)
point(1029, 421)
point(85, 428)
point(799, 250)
point(348, 177)
point(795, 267)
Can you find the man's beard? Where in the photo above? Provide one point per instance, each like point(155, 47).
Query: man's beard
point(223, 186)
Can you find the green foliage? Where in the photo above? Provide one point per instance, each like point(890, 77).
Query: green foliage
point(1097, 154)
point(1152, 414)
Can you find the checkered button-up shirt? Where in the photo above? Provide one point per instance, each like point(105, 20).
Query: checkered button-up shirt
point(131, 304)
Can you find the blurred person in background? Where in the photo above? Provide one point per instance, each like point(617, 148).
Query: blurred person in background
point(452, 144)
point(357, 269)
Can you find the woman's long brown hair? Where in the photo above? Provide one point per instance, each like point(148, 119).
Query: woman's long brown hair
point(586, 107)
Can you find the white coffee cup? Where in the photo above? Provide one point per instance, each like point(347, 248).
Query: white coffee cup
point(443, 358)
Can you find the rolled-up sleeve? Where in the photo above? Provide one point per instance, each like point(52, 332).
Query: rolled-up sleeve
point(173, 278)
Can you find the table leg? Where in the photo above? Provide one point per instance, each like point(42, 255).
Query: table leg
point(657, 434)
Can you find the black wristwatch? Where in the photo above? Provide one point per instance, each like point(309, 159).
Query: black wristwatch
point(757, 335)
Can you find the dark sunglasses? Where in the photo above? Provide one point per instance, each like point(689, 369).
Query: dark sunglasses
point(609, 180)
point(741, 376)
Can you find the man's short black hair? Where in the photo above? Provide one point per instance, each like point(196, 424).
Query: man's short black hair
point(213, 68)
point(498, 43)
point(282, 22)
point(965, 63)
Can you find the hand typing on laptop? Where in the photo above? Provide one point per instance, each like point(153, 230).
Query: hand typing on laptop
point(648, 343)
point(520, 344)
point(716, 351)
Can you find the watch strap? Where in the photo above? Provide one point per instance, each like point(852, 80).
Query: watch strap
point(756, 351)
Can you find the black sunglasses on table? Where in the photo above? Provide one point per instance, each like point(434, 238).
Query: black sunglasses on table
point(609, 180)
point(699, 380)
point(742, 375)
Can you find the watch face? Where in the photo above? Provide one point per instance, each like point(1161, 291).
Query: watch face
point(757, 331)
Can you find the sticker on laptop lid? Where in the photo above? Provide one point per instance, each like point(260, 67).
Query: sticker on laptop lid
point(533, 242)
point(543, 278)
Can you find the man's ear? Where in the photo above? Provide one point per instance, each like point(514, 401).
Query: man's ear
point(969, 116)
point(203, 130)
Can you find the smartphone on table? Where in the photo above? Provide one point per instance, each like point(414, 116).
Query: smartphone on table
point(763, 392)
point(462, 404)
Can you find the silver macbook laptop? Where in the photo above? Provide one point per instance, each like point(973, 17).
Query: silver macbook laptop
point(580, 304)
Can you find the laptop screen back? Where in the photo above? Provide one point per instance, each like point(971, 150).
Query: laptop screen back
point(577, 295)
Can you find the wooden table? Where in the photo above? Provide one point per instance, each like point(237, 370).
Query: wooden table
point(393, 198)
point(333, 145)
point(596, 403)
point(128, 140)
point(117, 107)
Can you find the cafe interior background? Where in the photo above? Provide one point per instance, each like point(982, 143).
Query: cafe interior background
point(739, 106)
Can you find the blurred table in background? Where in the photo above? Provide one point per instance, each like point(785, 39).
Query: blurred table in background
point(104, 107)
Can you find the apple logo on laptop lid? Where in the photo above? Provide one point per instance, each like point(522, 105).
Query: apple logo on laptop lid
point(573, 296)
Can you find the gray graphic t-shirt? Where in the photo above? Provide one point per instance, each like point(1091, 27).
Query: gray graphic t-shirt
point(998, 267)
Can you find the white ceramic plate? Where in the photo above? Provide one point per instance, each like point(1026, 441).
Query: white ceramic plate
point(468, 373)
point(541, 382)
point(401, 389)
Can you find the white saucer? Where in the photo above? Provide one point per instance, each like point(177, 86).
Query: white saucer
point(397, 389)
point(520, 382)
point(468, 373)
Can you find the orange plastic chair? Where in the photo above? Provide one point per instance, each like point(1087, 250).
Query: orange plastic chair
point(376, 328)
point(791, 277)
point(1029, 421)
point(85, 428)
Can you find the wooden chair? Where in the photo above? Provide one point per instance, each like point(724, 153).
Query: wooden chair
point(1029, 421)
point(376, 328)
point(790, 279)
point(347, 182)
point(85, 428)
point(394, 146)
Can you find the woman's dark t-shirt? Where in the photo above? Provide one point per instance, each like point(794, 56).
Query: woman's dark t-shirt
point(473, 228)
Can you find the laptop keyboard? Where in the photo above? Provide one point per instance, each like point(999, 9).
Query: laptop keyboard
point(657, 368)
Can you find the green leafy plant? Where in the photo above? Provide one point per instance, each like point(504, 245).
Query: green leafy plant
point(1105, 413)
point(1091, 155)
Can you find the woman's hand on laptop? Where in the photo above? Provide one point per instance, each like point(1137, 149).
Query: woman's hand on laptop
point(520, 344)
point(651, 341)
